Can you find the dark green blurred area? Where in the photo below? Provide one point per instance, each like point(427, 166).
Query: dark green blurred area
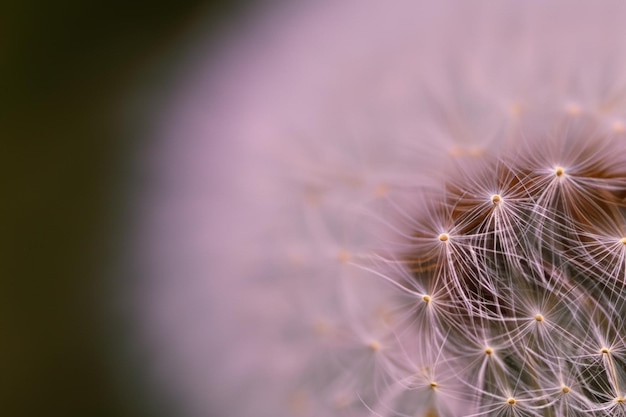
point(65, 67)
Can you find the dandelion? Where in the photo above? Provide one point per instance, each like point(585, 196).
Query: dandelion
point(416, 210)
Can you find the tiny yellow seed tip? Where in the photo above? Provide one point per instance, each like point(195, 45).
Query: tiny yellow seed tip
point(476, 151)
point(565, 389)
point(321, 328)
point(620, 399)
point(538, 317)
point(558, 171)
point(515, 109)
point(573, 109)
point(433, 384)
point(374, 345)
point(343, 256)
point(604, 350)
point(455, 151)
point(495, 199)
point(623, 240)
point(426, 297)
point(381, 189)
point(488, 351)
point(444, 237)
point(511, 401)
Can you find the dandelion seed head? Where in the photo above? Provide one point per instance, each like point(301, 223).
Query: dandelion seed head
point(352, 164)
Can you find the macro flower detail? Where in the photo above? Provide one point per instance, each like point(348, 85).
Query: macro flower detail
point(525, 295)
point(424, 217)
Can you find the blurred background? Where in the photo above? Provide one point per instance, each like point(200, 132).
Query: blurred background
point(79, 82)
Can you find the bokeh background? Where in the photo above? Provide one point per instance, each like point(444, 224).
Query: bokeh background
point(80, 81)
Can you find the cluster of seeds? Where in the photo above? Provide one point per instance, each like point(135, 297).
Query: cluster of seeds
point(407, 211)
point(517, 269)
